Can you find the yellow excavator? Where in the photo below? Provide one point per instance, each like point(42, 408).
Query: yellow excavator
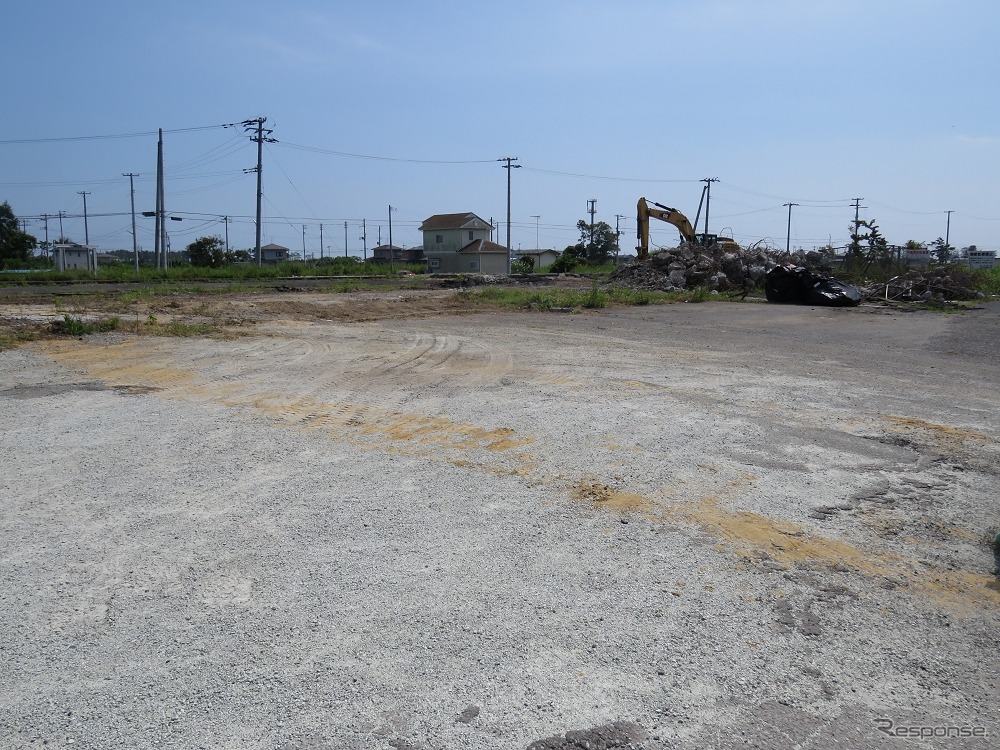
point(679, 220)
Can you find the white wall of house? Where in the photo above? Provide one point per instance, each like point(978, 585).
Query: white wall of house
point(490, 263)
point(453, 240)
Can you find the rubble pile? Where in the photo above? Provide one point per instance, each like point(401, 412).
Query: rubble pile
point(924, 285)
point(691, 266)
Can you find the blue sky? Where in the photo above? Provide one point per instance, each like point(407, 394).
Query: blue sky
point(410, 104)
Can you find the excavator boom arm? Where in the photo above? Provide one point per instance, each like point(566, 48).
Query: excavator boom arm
point(663, 213)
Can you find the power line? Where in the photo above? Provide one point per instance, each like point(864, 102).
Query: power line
point(602, 177)
point(106, 137)
point(382, 158)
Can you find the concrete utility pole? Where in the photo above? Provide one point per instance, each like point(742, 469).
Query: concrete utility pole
point(390, 238)
point(321, 242)
point(48, 250)
point(261, 136)
point(160, 250)
point(509, 166)
point(364, 239)
point(345, 239)
point(947, 229)
point(135, 245)
point(591, 209)
point(708, 199)
point(226, 219)
point(86, 231)
point(618, 234)
point(788, 237)
point(536, 218)
point(303, 243)
point(855, 245)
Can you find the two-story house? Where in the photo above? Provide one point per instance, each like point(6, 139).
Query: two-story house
point(460, 243)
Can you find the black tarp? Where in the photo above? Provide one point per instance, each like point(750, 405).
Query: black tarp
point(795, 285)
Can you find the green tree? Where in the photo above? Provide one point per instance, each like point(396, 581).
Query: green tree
point(571, 257)
point(207, 252)
point(239, 256)
point(15, 245)
point(601, 244)
point(524, 264)
point(941, 250)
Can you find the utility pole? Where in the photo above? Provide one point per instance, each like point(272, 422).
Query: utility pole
point(62, 237)
point(591, 209)
point(86, 231)
point(788, 237)
point(321, 242)
point(303, 243)
point(48, 251)
point(855, 245)
point(947, 232)
point(135, 244)
point(618, 234)
point(364, 239)
point(161, 209)
point(708, 200)
point(390, 239)
point(226, 219)
point(536, 218)
point(509, 166)
point(345, 239)
point(262, 136)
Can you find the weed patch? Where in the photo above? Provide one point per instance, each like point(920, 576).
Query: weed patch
point(70, 325)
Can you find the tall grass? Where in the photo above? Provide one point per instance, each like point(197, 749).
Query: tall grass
point(122, 272)
point(987, 280)
point(562, 299)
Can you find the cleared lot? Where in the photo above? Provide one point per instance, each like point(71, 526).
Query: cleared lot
point(727, 525)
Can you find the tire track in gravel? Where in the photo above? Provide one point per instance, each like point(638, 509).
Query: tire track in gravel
point(324, 401)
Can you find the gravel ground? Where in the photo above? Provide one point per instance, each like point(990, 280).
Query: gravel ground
point(716, 525)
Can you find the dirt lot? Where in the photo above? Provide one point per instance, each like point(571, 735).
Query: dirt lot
point(379, 520)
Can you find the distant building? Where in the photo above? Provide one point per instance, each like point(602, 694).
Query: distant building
point(273, 253)
point(460, 243)
point(383, 254)
point(449, 233)
point(542, 258)
point(981, 258)
point(917, 256)
point(71, 256)
point(479, 256)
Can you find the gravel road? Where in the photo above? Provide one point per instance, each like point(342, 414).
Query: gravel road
point(688, 526)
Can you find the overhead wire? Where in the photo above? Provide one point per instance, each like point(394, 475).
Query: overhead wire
point(64, 139)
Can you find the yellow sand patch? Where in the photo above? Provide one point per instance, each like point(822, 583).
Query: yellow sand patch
point(750, 535)
point(608, 497)
point(938, 429)
point(133, 363)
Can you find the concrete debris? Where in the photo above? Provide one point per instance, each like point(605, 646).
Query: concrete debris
point(691, 266)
